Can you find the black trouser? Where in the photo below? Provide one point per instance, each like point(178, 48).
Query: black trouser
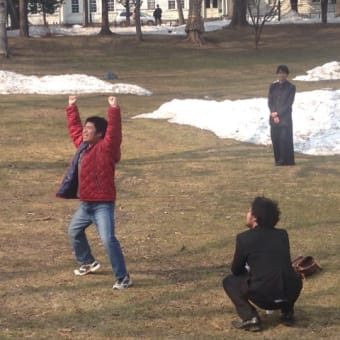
point(237, 288)
point(282, 140)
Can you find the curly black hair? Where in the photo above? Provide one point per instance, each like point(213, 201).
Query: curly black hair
point(266, 211)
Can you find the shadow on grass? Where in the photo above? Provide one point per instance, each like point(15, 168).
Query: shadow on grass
point(29, 165)
point(218, 154)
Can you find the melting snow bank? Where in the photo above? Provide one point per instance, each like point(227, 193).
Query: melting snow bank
point(328, 71)
point(316, 119)
point(14, 83)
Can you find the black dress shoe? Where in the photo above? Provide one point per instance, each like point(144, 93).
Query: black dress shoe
point(288, 319)
point(253, 325)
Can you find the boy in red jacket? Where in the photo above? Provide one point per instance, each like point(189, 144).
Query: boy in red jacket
point(90, 177)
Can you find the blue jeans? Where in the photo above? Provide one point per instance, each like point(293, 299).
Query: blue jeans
point(102, 215)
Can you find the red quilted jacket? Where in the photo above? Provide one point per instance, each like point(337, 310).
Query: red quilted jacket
point(98, 162)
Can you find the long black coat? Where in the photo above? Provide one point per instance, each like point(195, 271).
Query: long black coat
point(280, 99)
point(266, 252)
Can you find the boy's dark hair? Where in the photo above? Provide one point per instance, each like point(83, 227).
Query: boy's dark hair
point(282, 68)
point(266, 211)
point(99, 123)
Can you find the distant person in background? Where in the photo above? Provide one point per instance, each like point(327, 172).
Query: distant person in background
point(280, 101)
point(157, 14)
point(90, 177)
point(262, 272)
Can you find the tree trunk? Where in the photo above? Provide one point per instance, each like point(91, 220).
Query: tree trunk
point(44, 18)
point(105, 30)
point(324, 10)
point(13, 13)
point(195, 24)
point(139, 34)
point(3, 29)
point(180, 13)
point(127, 7)
point(85, 13)
point(23, 32)
point(337, 8)
point(239, 17)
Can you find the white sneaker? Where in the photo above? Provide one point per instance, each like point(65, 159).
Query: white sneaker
point(123, 283)
point(87, 268)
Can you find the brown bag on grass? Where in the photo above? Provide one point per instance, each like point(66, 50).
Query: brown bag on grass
point(305, 266)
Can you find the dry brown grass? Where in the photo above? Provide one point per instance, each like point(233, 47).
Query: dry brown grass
point(182, 192)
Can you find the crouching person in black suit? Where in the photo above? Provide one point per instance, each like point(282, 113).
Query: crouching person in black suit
point(262, 273)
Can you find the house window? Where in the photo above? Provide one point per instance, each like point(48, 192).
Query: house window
point(75, 6)
point(171, 4)
point(211, 4)
point(151, 4)
point(111, 5)
point(93, 6)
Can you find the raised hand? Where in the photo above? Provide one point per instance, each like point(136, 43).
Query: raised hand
point(112, 101)
point(72, 100)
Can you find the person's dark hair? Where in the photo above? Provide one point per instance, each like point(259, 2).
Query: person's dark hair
point(266, 211)
point(282, 68)
point(99, 123)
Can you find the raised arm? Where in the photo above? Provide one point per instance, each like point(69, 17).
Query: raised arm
point(113, 135)
point(74, 124)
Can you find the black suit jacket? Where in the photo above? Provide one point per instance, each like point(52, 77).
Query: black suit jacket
point(266, 252)
point(280, 99)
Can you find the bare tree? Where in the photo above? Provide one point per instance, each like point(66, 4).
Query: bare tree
point(260, 15)
point(85, 13)
point(44, 7)
point(23, 31)
point(3, 29)
point(239, 16)
point(180, 13)
point(105, 28)
point(127, 4)
point(324, 10)
point(136, 12)
point(13, 13)
point(195, 24)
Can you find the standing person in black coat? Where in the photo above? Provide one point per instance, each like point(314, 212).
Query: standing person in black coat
point(262, 271)
point(157, 13)
point(280, 100)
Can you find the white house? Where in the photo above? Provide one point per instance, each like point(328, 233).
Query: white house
point(71, 12)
